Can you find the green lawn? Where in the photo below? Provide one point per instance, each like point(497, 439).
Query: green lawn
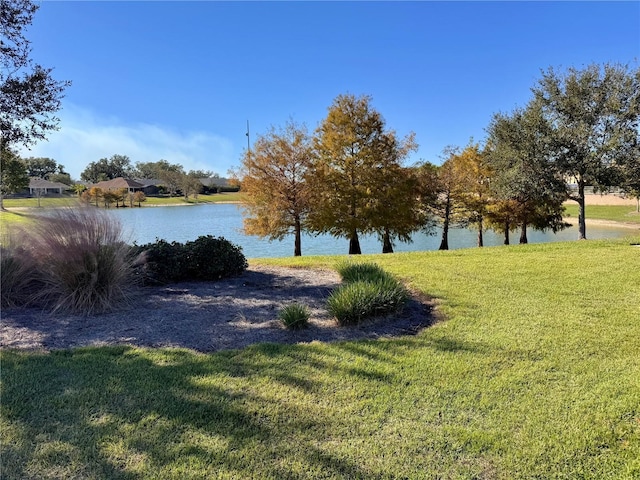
point(216, 198)
point(533, 372)
point(614, 213)
point(163, 200)
point(45, 202)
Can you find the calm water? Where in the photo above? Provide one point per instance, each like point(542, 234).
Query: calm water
point(184, 223)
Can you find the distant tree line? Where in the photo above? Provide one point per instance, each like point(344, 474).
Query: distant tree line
point(581, 127)
point(17, 171)
point(172, 176)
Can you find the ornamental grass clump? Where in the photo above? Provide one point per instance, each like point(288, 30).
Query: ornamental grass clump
point(18, 275)
point(295, 316)
point(368, 291)
point(82, 263)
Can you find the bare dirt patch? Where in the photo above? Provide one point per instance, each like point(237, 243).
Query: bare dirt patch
point(610, 199)
point(209, 316)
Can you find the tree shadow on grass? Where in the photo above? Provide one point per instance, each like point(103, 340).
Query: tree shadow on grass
point(122, 413)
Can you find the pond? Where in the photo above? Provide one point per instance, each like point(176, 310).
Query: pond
point(184, 223)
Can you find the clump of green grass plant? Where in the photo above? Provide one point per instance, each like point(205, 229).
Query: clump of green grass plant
point(360, 272)
point(295, 316)
point(368, 291)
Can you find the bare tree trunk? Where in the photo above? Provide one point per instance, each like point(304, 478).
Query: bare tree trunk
point(2, 147)
point(1, 192)
point(507, 226)
point(582, 225)
point(387, 246)
point(444, 243)
point(480, 239)
point(297, 252)
point(354, 243)
point(523, 234)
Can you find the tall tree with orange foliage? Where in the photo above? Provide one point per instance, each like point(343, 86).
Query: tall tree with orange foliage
point(473, 174)
point(273, 179)
point(448, 195)
point(358, 181)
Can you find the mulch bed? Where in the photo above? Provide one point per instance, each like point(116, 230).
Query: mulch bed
point(209, 316)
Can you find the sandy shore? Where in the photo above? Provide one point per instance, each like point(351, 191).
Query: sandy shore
point(608, 199)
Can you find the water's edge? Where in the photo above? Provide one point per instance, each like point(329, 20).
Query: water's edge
point(184, 223)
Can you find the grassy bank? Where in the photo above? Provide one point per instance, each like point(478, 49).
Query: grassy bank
point(19, 210)
point(612, 213)
point(48, 202)
point(227, 197)
point(533, 373)
point(45, 202)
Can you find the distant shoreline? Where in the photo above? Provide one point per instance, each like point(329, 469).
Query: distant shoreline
point(573, 221)
point(148, 205)
point(603, 223)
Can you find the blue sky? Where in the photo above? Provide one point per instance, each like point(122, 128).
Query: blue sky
point(179, 80)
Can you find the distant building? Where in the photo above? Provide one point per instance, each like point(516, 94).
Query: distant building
point(150, 186)
point(211, 182)
point(40, 187)
point(118, 184)
point(154, 186)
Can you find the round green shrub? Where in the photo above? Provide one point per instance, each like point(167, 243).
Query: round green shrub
point(207, 258)
point(161, 262)
point(210, 258)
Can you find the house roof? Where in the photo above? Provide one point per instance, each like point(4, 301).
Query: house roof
point(116, 183)
point(148, 182)
point(218, 181)
point(37, 182)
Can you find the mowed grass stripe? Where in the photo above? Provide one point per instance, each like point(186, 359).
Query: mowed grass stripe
point(74, 201)
point(614, 213)
point(533, 372)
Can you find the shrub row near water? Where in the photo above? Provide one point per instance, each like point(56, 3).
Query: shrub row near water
point(76, 260)
point(368, 291)
point(206, 258)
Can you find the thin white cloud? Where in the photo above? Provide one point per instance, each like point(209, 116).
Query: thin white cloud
point(84, 138)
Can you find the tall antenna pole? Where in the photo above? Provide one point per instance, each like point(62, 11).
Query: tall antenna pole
point(248, 146)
